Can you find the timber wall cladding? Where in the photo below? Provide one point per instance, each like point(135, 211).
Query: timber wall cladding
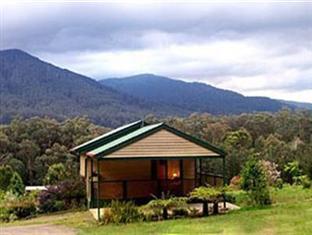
point(125, 169)
point(82, 165)
point(162, 144)
point(111, 190)
point(189, 168)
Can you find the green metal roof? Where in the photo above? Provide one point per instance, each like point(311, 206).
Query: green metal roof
point(105, 144)
point(107, 137)
point(124, 139)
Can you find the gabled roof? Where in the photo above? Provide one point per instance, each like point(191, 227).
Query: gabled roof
point(123, 140)
point(107, 137)
point(123, 136)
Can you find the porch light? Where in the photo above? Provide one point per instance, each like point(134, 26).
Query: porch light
point(174, 175)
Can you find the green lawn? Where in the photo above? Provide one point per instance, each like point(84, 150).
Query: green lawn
point(291, 213)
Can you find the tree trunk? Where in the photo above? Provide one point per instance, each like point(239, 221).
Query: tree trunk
point(165, 213)
point(205, 208)
point(30, 172)
point(215, 208)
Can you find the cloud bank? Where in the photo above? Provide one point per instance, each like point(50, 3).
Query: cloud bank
point(262, 49)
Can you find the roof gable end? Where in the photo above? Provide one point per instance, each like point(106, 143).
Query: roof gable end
point(143, 132)
point(108, 137)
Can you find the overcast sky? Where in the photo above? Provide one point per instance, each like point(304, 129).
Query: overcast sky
point(258, 49)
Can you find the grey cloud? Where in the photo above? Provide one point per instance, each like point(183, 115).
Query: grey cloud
point(283, 31)
point(114, 26)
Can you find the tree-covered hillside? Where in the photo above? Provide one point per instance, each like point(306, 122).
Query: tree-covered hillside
point(31, 146)
point(31, 87)
point(193, 97)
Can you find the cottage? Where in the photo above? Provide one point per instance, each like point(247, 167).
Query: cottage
point(138, 160)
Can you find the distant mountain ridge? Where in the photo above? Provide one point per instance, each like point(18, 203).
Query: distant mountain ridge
point(303, 105)
point(31, 87)
point(192, 96)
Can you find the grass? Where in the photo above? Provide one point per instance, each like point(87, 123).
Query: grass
point(291, 213)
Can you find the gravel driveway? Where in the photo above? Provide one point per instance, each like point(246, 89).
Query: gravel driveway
point(38, 229)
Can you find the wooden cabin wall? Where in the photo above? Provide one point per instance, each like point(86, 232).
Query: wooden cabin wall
point(87, 177)
point(189, 175)
point(82, 165)
point(189, 168)
point(132, 171)
point(136, 174)
point(125, 169)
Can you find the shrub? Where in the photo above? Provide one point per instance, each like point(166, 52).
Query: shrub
point(254, 182)
point(205, 195)
point(273, 175)
point(279, 183)
point(292, 170)
point(4, 214)
point(56, 173)
point(161, 206)
point(179, 212)
point(193, 211)
point(6, 174)
point(14, 207)
point(238, 197)
point(235, 182)
point(16, 185)
point(22, 208)
point(179, 206)
point(230, 197)
point(122, 212)
point(303, 180)
point(67, 194)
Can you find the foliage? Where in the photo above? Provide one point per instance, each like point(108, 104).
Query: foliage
point(302, 180)
point(238, 139)
point(160, 206)
point(237, 197)
point(206, 193)
point(56, 173)
point(255, 183)
point(292, 170)
point(272, 173)
point(65, 195)
point(122, 212)
point(13, 207)
point(16, 186)
point(238, 145)
point(6, 174)
point(235, 182)
point(279, 183)
point(31, 146)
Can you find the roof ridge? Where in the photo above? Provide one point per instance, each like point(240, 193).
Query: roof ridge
point(121, 139)
point(107, 135)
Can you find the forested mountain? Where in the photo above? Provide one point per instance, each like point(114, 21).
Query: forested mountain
point(31, 87)
point(303, 105)
point(194, 97)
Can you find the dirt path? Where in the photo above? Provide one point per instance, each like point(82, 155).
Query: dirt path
point(38, 229)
